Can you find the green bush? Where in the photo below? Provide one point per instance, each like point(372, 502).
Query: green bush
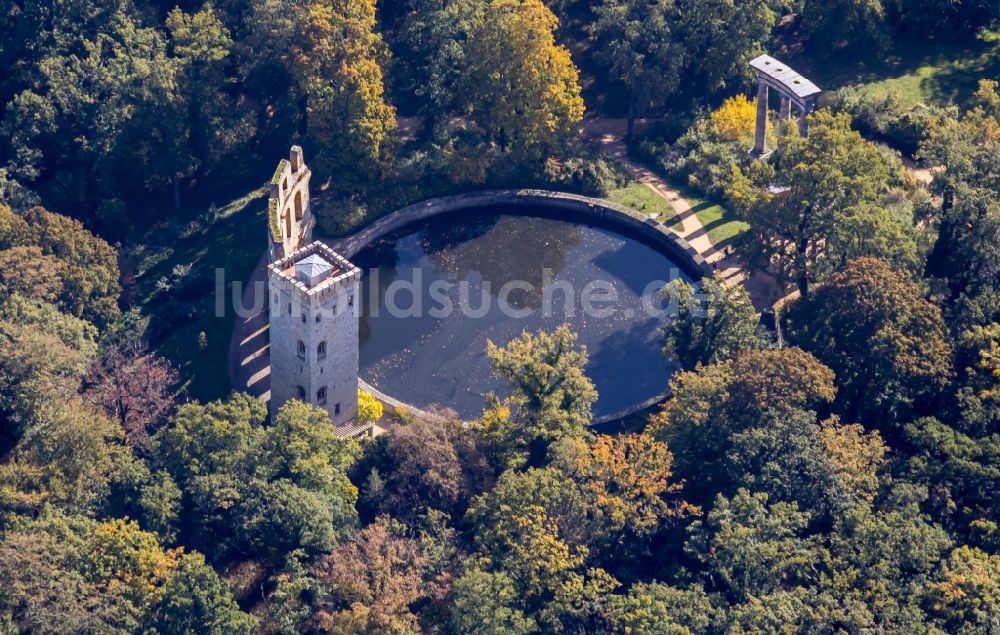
point(585, 175)
point(887, 119)
point(698, 158)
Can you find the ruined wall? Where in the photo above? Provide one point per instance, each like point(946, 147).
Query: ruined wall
point(289, 218)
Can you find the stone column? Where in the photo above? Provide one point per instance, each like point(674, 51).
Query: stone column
point(786, 108)
point(803, 123)
point(760, 134)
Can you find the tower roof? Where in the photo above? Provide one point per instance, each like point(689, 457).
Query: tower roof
point(312, 269)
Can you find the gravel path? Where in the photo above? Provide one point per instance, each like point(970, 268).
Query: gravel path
point(609, 134)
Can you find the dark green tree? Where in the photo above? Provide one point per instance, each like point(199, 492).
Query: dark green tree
point(653, 48)
point(712, 323)
point(887, 344)
point(218, 123)
point(711, 405)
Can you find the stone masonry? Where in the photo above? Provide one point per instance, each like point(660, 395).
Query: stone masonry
point(290, 221)
point(314, 331)
point(794, 89)
point(312, 291)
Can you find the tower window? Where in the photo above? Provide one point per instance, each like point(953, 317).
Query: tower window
point(321, 396)
point(300, 393)
point(336, 410)
point(303, 318)
point(317, 318)
point(289, 308)
point(321, 350)
point(301, 349)
point(350, 300)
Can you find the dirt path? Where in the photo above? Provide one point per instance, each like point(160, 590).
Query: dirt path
point(609, 134)
point(922, 175)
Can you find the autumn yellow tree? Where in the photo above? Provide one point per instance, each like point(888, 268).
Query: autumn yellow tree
point(334, 58)
point(369, 408)
point(735, 119)
point(520, 86)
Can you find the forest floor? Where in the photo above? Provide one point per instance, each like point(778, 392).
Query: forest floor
point(222, 246)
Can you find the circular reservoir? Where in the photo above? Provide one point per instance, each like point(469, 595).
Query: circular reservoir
point(435, 291)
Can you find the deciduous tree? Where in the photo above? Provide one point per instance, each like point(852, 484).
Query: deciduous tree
point(653, 47)
point(839, 197)
point(714, 403)
point(335, 57)
point(518, 84)
point(371, 583)
point(551, 395)
point(887, 345)
point(133, 387)
point(712, 323)
point(218, 123)
point(429, 465)
point(87, 270)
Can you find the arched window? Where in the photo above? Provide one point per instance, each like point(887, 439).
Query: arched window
point(301, 349)
point(298, 206)
point(300, 393)
point(321, 396)
point(321, 350)
point(336, 410)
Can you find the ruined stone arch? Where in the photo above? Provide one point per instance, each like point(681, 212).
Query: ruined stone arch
point(290, 219)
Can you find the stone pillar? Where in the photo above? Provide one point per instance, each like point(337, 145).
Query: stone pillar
point(803, 123)
point(760, 134)
point(786, 108)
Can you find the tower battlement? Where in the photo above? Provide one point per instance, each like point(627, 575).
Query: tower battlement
point(324, 282)
point(314, 330)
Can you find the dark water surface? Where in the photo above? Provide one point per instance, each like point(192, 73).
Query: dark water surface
point(425, 355)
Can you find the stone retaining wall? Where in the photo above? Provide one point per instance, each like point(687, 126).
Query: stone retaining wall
point(586, 208)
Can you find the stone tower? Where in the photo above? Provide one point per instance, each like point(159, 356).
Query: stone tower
point(314, 331)
point(289, 219)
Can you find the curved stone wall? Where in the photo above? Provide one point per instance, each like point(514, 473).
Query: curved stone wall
point(587, 208)
point(592, 208)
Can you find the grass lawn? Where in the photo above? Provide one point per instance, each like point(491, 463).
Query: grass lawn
point(721, 224)
point(641, 198)
point(232, 239)
point(917, 70)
